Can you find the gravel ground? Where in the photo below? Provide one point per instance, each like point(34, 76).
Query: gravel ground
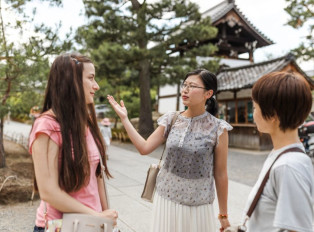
point(18, 217)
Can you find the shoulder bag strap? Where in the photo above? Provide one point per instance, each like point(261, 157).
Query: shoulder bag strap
point(103, 178)
point(172, 122)
point(261, 188)
point(106, 192)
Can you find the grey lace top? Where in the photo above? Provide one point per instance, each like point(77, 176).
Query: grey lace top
point(186, 176)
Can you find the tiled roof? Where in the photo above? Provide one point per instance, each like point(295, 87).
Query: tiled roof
point(220, 10)
point(245, 76)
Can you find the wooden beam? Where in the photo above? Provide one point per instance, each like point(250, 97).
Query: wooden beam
point(168, 96)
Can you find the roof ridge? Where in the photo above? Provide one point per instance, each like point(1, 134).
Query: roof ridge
point(251, 24)
point(229, 5)
point(288, 56)
point(216, 6)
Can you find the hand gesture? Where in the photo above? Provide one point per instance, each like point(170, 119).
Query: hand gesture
point(119, 109)
point(111, 214)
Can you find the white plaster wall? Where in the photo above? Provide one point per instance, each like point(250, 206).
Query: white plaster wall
point(225, 95)
point(244, 93)
point(230, 62)
point(169, 104)
point(168, 90)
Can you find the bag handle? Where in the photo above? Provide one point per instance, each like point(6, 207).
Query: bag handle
point(261, 188)
point(172, 122)
point(76, 223)
point(103, 178)
point(106, 192)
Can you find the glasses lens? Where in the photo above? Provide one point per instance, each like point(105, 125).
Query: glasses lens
point(183, 86)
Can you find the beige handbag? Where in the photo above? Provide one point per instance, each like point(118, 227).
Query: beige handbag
point(76, 222)
point(72, 222)
point(242, 228)
point(150, 183)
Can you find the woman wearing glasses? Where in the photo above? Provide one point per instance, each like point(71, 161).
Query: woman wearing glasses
point(196, 148)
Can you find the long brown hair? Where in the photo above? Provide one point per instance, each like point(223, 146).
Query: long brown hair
point(65, 96)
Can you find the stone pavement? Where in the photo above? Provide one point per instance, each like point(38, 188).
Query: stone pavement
point(129, 169)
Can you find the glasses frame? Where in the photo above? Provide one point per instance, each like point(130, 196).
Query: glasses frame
point(190, 87)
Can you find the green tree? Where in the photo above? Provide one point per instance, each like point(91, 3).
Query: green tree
point(302, 13)
point(23, 62)
point(145, 45)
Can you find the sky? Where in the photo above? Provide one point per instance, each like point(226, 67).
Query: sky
point(268, 16)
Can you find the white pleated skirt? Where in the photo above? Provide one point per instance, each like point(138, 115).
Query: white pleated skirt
point(170, 216)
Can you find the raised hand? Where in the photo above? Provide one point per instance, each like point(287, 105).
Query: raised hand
point(119, 109)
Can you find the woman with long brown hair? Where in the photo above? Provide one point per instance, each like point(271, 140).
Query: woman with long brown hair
point(65, 143)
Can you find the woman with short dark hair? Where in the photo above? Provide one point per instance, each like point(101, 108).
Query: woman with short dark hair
point(282, 101)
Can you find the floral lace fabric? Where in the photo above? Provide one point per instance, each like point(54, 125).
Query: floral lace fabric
point(186, 176)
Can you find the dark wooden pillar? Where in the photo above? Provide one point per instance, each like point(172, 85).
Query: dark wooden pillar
point(235, 106)
point(178, 97)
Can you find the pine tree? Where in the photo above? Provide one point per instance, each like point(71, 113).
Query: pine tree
point(23, 64)
point(145, 44)
point(301, 13)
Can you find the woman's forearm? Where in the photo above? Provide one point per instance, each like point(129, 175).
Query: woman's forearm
point(63, 202)
point(138, 141)
point(144, 146)
point(222, 192)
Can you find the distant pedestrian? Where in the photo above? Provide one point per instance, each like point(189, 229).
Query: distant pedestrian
point(106, 133)
point(282, 101)
point(66, 145)
point(34, 113)
point(9, 115)
point(196, 159)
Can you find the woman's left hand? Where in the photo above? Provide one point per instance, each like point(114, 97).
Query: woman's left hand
point(224, 222)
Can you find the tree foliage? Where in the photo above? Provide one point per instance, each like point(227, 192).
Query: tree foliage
point(302, 13)
point(24, 62)
point(145, 45)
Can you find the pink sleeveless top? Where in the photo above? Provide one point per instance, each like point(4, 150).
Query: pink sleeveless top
point(88, 195)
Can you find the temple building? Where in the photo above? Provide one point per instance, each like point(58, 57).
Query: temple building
point(237, 38)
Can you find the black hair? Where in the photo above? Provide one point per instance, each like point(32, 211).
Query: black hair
point(210, 82)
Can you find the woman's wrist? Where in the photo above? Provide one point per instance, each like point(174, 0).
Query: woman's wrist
point(124, 119)
point(222, 216)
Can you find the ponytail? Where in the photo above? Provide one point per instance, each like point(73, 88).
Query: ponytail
point(212, 106)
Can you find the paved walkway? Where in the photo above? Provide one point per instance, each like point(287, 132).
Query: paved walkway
point(129, 169)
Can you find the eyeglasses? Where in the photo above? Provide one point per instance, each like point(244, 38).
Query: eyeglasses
point(190, 87)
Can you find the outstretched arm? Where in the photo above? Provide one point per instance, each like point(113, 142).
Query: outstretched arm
point(143, 146)
point(221, 177)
